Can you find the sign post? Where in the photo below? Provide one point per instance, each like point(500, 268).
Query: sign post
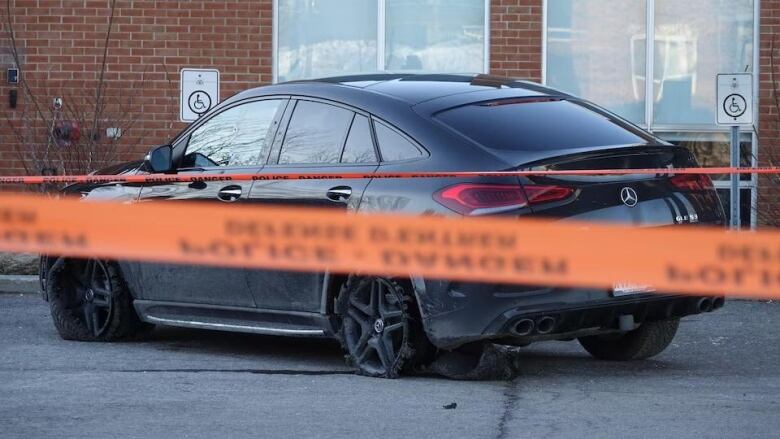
point(199, 92)
point(735, 109)
point(736, 202)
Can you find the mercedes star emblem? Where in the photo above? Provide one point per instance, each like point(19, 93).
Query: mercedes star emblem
point(628, 197)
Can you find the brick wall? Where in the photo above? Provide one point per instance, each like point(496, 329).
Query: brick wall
point(516, 38)
point(61, 43)
point(769, 115)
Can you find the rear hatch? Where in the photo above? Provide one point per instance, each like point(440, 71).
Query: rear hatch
point(561, 133)
point(643, 200)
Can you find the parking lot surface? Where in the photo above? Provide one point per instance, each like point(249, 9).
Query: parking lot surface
point(720, 378)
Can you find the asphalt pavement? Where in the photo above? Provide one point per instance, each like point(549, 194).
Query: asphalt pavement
point(720, 378)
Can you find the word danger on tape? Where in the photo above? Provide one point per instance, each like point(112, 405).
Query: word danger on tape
point(522, 251)
point(199, 176)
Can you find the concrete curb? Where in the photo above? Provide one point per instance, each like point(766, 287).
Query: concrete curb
point(19, 284)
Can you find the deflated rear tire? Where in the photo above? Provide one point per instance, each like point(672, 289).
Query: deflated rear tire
point(90, 302)
point(647, 341)
point(380, 328)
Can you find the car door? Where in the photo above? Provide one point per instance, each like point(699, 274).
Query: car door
point(320, 137)
point(236, 140)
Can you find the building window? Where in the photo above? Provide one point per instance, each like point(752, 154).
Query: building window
point(694, 41)
point(435, 35)
point(317, 38)
point(585, 56)
point(604, 51)
point(321, 38)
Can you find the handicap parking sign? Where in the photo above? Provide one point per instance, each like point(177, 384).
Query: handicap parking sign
point(735, 99)
point(199, 93)
point(199, 102)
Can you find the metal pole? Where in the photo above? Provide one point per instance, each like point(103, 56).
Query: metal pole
point(735, 162)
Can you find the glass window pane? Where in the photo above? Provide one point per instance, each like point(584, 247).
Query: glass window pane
point(326, 37)
point(237, 136)
point(596, 50)
point(359, 147)
point(394, 147)
point(252, 143)
point(435, 35)
point(534, 125)
point(713, 149)
point(209, 145)
point(694, 41)
point(316, 134)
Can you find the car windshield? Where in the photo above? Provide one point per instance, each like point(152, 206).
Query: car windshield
point(541, 124)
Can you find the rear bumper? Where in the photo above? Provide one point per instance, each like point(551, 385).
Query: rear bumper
point(456, 313)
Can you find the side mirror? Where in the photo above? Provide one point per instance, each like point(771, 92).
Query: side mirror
point(160, 159)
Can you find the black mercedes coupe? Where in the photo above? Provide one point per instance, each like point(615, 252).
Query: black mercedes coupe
point(398, 123)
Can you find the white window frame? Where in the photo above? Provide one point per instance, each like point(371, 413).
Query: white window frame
point(380, 41)
point(751, 184)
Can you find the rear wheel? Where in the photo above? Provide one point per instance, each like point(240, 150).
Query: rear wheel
point(380, 328)
point(90, 302)
point(647, 341)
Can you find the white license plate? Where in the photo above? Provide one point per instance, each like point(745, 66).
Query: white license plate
point(624, 289)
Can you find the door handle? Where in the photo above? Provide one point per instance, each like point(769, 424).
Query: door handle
point(230, 193)
point(339, 193)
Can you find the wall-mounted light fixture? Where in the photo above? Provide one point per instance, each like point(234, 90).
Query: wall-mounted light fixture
point(13, 75)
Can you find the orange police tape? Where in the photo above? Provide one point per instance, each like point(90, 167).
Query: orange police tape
point(678, 260)
point(200, 176)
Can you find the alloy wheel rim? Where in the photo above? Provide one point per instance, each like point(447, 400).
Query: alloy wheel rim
point(92, 295)
point(374, 326)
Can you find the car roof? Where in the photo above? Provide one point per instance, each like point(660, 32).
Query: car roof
point(413, 88)
point(418, 88)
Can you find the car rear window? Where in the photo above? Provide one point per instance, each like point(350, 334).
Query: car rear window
point(316, 134)
point(359, 147)
point(394, 147)
point(540, 124)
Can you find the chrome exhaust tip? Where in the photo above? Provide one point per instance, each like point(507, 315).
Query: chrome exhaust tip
point(545, 325)
point(523, 327)
point(704, 304)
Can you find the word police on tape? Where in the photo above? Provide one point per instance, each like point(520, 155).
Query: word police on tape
point(524, 251)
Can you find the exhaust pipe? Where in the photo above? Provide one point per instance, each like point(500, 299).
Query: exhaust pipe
point(718, 302)
point(704, 304)
point(545, 325)
point(524, 327)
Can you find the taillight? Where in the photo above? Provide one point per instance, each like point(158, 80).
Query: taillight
point(482, 199)
point(545, 194)
point(692, 182)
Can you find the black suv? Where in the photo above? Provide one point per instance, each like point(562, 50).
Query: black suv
point(394, 123)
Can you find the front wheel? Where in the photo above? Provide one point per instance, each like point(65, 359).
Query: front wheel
point(380, 328)
point(646, 341)
point(90, 302)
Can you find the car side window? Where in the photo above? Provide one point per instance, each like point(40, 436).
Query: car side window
point(393, 146)
point(316, 134)
point(239, 136)
point(359, 147)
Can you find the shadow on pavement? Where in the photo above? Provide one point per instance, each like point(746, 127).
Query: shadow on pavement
point(497, 363)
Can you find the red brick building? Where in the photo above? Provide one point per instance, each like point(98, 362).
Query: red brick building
point(598, 49)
